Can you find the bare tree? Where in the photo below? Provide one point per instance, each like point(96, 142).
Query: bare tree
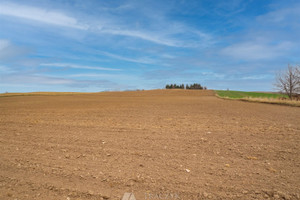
point(288, 81)
point(298, 74)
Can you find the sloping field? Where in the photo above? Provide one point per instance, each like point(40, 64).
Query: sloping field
point(184, 144)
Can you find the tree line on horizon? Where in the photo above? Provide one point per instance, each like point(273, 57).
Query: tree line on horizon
point(195, 86)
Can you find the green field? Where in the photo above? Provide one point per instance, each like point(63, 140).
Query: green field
point(242, 95)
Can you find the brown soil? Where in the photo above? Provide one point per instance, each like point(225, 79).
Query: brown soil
point(184, 144)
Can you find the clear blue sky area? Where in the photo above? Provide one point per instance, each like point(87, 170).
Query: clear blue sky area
point(98, 45)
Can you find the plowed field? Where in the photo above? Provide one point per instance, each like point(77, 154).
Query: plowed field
point(160, 144)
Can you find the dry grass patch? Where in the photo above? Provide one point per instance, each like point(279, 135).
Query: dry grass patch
point(273, 101)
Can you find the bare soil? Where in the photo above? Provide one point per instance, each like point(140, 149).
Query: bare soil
point(160, 144)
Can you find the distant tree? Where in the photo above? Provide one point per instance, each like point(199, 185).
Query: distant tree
point(195, 86)
point(288, 81)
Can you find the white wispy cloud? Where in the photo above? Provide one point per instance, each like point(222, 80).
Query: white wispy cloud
point(272, 36)
point(282, 15)
point(39, 15)
point(143, 60)
point(168, 36)
point(110, 26)
point(18, 78)
point(257, 77)
point(152, 37)
point(11, 51)
point(70, 65)
point(105, 76)
point(4, 44)
point(256, 51)
point(229, 8)
point(5, 70)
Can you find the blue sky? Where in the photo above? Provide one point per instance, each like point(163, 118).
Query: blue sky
point(95, 45)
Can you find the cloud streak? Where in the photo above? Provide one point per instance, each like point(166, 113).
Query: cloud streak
point(39, 15)
point(152, 37)
point(42, 80)
point(143, 60)
point(256, 51)
point(75, 66)
point(107, 26)
point(10, 51)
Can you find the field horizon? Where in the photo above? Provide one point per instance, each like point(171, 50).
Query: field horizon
point(258, 97)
